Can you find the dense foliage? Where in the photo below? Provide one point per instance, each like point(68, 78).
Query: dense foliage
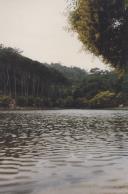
point(74, 74)
point(25, 79)
point(33, 84)
point(102, 27)
point(101, 89)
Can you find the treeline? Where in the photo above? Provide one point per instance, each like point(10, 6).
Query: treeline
point(35, 84)
point(101, 89)
point(74, 74)
point(95, 89)
point(23, 79)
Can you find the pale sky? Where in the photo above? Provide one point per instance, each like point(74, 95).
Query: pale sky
point(38, 28)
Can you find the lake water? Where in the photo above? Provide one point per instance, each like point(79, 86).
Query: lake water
point(64, 151)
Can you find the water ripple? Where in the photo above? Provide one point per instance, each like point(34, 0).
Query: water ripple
point(62, 150)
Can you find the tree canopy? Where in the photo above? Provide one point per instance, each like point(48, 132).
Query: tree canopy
point(73, 74)
point(102, 27)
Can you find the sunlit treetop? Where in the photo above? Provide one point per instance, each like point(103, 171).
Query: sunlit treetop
point(102, 27)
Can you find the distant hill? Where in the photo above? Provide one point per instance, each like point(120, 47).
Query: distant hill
point(74, 74)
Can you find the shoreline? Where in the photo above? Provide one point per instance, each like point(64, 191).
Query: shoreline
point(57, 108)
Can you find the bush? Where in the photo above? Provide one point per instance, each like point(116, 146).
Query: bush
point(38, 102)
point(103, 99)
point(81, 102)
point(29, 101)
point(69, 102)
point(22, 101)
point(4, 101)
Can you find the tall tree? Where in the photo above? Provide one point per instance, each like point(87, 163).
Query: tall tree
point(102, 27)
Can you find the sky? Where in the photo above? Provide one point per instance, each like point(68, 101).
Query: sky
point(38, 28)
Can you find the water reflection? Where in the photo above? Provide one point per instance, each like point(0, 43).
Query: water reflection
point(63, 149)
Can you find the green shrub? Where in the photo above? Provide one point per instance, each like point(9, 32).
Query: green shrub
point(103, 99)
point(4, 101)
point(22, 101)
point(69, 101)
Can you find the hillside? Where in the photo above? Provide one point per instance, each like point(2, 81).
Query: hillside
point(74, 74)
point(25, 78)
point(33, 84)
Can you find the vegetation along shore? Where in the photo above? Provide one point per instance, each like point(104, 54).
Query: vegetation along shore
point(28, 83)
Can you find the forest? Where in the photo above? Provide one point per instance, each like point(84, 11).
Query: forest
point(41, 85)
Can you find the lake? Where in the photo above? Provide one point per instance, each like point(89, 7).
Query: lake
point(64, 151)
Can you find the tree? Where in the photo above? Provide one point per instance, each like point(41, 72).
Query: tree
point(102, 27)
point(103, 99)
point(27, 80)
